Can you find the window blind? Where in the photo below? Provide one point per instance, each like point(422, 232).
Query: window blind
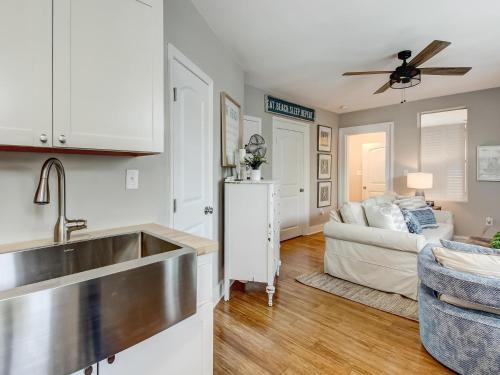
point(443, 153)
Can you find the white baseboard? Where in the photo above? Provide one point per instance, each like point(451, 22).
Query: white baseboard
point(218, 293)
point(314, 229)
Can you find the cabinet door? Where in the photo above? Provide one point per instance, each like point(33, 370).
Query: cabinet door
point(108, 74)
point(26, 72)
point(177, 350)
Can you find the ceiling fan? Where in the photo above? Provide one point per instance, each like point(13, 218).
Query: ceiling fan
point(408, 74)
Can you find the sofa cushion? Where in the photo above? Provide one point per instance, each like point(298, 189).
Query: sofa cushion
point(478, 264)
point(468, 305)
point(335, 216)
point(386, 216)
point(438, 233)
point(352, 213)
point(411, 203)
point(425, 217)
point(411, 222)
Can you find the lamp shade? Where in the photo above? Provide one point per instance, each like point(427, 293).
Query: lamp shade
point(419, 180)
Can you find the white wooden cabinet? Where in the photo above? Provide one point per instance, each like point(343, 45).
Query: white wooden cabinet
point(26, 72)
point(108, 74)
point(251, 234)
point(82, 74)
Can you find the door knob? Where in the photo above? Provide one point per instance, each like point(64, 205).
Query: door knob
point(301, 190)
point(364, 187)
point(43, 138)
point(209, 210)
point(62, 139)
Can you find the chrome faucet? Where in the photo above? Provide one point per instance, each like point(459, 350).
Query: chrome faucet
point(64, 227)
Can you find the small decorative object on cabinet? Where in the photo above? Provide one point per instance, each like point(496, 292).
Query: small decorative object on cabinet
point(252, 231)
point(324, 138)
point(254, 162)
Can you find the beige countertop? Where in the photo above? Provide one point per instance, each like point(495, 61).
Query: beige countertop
point(200, 244)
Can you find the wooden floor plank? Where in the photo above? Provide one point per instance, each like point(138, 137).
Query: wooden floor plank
point(309, 331)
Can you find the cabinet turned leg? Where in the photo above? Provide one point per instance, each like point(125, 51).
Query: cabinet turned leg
point(270, 291)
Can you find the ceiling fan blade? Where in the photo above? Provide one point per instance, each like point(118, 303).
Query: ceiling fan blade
point(445, 71)
point(367, 72)
point(383, 88)
point(431, 50)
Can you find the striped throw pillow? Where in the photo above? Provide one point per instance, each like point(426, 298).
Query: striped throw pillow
point(425, 216)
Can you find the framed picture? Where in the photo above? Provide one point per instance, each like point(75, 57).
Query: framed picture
point(488, 163)
point(324, 194)
point(324, 166)
point(232, 129)
point(324, 138)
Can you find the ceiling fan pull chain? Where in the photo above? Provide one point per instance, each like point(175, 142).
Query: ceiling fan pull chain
point(403, 96)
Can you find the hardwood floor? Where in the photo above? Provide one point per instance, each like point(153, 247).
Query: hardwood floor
point(309, 331)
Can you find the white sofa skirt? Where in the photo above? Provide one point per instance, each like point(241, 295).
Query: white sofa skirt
point(393, 271)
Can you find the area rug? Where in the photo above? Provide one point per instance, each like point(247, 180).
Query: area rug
point(388, 302)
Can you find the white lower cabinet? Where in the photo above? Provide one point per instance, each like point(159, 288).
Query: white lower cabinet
point(184, 349)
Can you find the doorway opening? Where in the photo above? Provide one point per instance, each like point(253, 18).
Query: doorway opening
point(366, 165)
point(365, 161)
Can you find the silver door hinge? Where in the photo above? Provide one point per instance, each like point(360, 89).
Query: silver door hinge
point(175, 206)
point(175, 94)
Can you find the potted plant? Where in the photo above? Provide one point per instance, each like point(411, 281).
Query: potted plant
point(495, 242)
point(254, 162)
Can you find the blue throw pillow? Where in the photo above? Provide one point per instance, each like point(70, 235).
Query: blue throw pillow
point(425, 216)
point(412, 222)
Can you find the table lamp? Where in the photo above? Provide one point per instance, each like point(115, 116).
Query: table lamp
point(419, 181)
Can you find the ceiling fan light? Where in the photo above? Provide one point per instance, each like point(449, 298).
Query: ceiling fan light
point(400, 79)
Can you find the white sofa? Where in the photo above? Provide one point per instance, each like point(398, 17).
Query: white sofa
point(380, 258)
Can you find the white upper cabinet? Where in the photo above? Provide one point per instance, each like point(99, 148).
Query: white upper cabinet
point(26, 72)
point(108, 74)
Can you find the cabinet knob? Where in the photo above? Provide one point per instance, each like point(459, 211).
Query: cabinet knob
point(62, 139)
point(89, 370)
point(43, 138)
point(111, 359)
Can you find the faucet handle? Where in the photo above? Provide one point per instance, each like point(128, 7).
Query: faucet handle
point(72, 225)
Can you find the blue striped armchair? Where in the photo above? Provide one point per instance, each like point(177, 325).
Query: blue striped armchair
point(465, 340)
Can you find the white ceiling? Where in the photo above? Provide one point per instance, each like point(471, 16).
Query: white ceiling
point(299, 48)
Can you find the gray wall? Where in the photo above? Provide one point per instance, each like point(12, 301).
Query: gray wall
point(483, 129)
point(254, 106)
point(96, 184)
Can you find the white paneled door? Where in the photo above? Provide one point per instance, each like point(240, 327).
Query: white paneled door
point(373, 170)
point(289, 168)
point(192, 154)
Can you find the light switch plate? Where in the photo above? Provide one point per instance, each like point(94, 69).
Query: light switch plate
point(132, 179)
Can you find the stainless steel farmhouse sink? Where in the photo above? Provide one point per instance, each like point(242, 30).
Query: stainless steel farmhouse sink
point(65, 307)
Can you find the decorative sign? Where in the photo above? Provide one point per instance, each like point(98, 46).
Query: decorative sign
point(282, 107)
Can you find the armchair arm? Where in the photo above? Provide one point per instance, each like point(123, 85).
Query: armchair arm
point(394, 240)
point(444, 216)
